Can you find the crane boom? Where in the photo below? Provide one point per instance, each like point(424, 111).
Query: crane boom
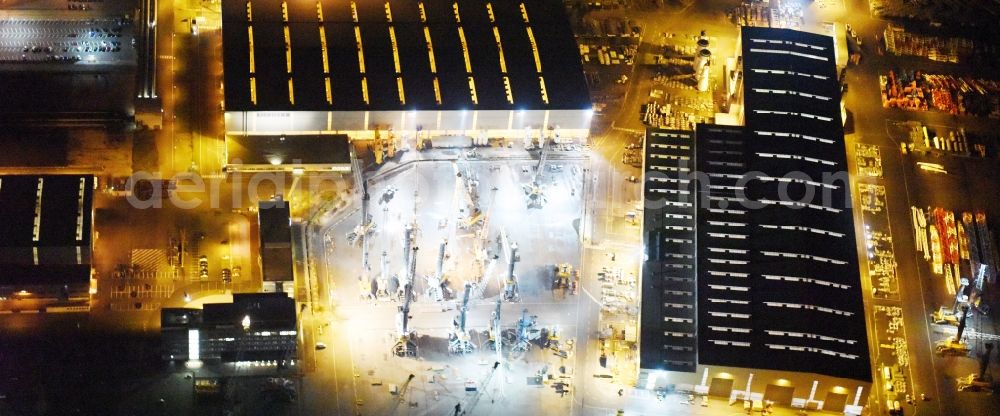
point(465, 308)
point(458, 342)
point(405, 347)
point(510, 292)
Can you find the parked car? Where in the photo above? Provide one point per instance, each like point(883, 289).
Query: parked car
point(203, 267)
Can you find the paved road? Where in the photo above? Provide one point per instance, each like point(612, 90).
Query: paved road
point(907, 187)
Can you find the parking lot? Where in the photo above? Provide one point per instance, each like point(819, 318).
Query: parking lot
point(84, 41)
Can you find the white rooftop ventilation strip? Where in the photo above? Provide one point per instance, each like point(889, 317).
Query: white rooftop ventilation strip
point(783, 72)
point(807, 280)
point(797, 204)
point(808, 307)
point(730, 343)
point(796, 180)
point(729, 315)
point(788, 42)
point(795, 135)
point(788, 52)
point(792, 113)
point(729, 329)
point(802, 256)
point(811, 349)
point(791, 92)
point(810, 336)
point(801, 228)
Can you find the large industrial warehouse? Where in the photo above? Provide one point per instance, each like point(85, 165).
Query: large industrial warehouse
point(414, 67)
point(46, 252)
point(741, 271)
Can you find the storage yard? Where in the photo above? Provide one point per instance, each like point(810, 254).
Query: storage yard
point(494, 244)
point(781, 14)
point(945, 49)
point(916, 90)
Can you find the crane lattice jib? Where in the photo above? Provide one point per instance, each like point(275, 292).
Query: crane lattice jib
point(465, 308)
point(543, 155)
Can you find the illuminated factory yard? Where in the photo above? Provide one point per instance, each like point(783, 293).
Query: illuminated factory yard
point(486, 207)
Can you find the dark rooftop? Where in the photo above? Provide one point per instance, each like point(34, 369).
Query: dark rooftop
point(266, 311)
point(275, 240)
point(773, 253)
point(308, 149)
point(400, 57)
point(59, 251)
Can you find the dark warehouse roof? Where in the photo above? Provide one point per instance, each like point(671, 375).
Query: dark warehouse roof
point(275, 240)
point(45, 229)
point(383, 53)
point(304, 149)
point(266, 311)
point(770, 245)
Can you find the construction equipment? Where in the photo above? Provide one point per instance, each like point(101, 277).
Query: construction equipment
point(382, 283)
point(960, 296)
point(401, 392)
point(565, 278)
point(404, 347)
point(971, 384)
point(944, 315)
point(521, 337)
point(378, 147)
point(365, 288)
point(390, 146)
point(528, 141)
point(363, 229)
point(471, 404)
point(510, 293)
point(483, 265)
point(534, 191)
point(495, 338)
point(436, 281)
point(469, 211)
point(982, 382)
point(479, 286)
point(458, 341)
point(405, 277)
point(366, 226)
point(954, 345)
point(561, 278)
point(383, 148)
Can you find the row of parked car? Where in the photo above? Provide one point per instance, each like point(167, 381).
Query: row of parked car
point(227, 274)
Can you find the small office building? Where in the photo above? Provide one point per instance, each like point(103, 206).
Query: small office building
point(274, 218)
point(253, 327)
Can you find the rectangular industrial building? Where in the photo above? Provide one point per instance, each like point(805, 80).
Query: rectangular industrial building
point(274, 218)
point(280, 153)
point(464, 68)
point(668, 274)
point(46, 237)
point(254, 327)
point(66, 66)
point(751, 257)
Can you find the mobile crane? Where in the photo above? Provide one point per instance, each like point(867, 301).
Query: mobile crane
point(458, 340)
point(405, 347)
